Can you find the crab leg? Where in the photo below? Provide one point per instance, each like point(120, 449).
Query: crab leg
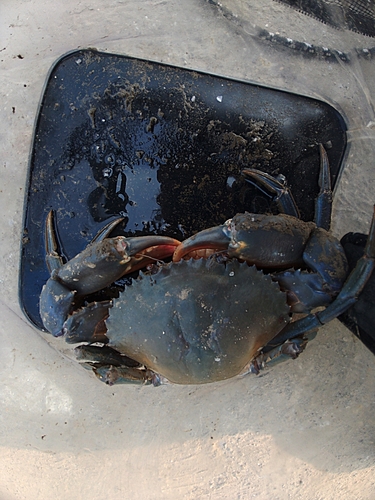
point(323, 202)
point(112, 367)
point(284, 198)
point(53, 259)
point(111, 375)
point(274, 187)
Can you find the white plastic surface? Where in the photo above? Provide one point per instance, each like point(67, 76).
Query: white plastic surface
point(303, 430)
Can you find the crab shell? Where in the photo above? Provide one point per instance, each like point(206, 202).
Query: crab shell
point(197, 321)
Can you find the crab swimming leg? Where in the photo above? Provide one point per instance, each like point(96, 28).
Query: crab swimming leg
point(102, 262)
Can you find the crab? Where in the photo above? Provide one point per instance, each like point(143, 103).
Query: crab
point(198, 320)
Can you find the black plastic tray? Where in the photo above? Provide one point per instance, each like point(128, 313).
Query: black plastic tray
point(162, 147)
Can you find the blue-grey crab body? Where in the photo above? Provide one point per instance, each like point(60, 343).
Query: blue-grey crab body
point(198, 321)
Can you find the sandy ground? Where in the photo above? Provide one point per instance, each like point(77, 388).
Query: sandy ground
point(304, 429)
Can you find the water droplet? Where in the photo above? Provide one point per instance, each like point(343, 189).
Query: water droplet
point(121, 185)
point(107, 172)
point(219, 98)
point(110, 159)
point(230, 181)
point(231, 273)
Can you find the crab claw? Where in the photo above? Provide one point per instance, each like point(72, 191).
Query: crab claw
point(216, 238)
point(269, 241)
point(97, 266)
point(101, 263)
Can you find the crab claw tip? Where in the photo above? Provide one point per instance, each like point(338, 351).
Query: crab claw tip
point(214, 238)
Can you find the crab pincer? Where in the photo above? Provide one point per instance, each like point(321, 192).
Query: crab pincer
point(101, 263)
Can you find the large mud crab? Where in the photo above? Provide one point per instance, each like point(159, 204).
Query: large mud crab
point(202, 320)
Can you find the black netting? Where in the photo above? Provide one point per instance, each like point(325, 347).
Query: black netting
point(354, 15)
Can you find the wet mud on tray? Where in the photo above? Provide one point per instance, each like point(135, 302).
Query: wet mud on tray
point(162, 147)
